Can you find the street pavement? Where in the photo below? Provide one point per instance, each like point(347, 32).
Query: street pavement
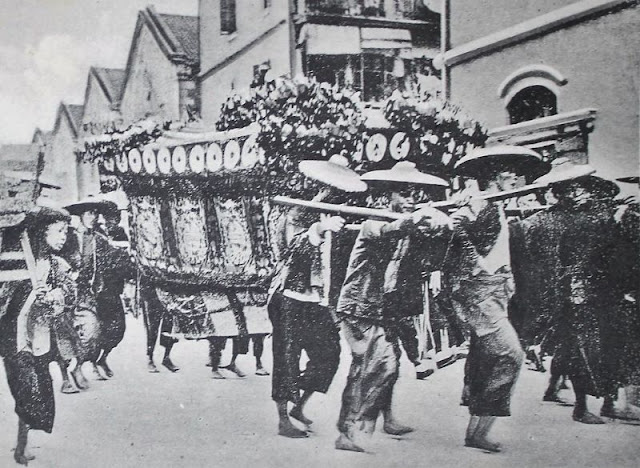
point(187, 419)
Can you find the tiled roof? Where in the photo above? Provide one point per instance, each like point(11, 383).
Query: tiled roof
point(112, 79)
point(75, 114)
point(185, 30)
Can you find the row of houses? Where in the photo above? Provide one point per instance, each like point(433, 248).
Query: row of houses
point(557, 75)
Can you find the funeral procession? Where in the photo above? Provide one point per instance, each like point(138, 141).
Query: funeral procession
point(350, 233)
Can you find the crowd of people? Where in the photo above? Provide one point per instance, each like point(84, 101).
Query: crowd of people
point(564, 271)
point(69, 311)
point(563, 281)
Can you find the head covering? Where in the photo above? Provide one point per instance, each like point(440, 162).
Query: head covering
point(629, 179)
point(564, 169)
point(87, 204)
point(110, 209)
point(404, 172)
point(40, 216)
point(564, 172)
point(334, 172)
point(499, 158)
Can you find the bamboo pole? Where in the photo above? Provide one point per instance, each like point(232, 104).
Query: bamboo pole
point(338, 209)
point(386, 215)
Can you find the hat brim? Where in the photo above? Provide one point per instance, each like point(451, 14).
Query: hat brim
point(44, 215)
point(334, 175)
point(83, 206)
point(519, 164)
point(519, 159)
point(629, 180)
point(575, 171)
point(404, 177)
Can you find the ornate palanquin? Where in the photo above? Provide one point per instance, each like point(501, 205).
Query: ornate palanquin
point(202, 228)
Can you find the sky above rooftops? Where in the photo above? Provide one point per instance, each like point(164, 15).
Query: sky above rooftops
point(47, 47)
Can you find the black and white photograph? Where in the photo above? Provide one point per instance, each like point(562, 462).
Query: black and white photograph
point(319, 233)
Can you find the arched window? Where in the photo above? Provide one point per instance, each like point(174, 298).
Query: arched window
point(531, 92)
point(532, 103)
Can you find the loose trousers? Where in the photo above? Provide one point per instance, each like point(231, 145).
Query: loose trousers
point(301, 326)
point(372, 376)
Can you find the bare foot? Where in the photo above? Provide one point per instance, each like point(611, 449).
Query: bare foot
point(624, 415)
point(397, 429)
point(236, 370)
point(261, 371)
point(345, 443)
point(166, 362)
point(296, 413)
point(81, 381)
point(23, 458)
point(69, 388)
point(217, 375)
point(556, 399)
point(97, 374)
point(587, 418)
point(105, 368)
point(286, 429)
point(151, 367)
point(483, 444)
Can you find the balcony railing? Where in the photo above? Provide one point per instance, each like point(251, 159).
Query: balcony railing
point(400, 9)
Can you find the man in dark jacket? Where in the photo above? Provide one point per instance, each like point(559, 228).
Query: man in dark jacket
point(299, 299)
point(383, 286)
point(102, 271)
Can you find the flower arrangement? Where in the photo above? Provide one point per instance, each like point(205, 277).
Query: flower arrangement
point(299, 119)
point(443, 131)
point(98, 148)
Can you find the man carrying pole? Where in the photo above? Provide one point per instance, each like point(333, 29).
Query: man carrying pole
point(298, 306)
point(383, 284)
point(478, 268)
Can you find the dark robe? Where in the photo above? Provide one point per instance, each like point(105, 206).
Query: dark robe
point(27, 371)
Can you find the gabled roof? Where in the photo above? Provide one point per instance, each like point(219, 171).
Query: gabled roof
point(73, 113)
point(38, 136)
point(111, 81)
point(185, 29)
point(19, 157)
point(176, 35)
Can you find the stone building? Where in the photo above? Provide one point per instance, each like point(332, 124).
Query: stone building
point(561, 75)
point(369, 45)
point(162, 67)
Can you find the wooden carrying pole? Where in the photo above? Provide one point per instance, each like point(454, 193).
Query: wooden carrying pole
point(386, 215)
point(373, 213)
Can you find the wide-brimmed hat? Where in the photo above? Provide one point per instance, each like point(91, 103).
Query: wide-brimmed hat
point(404, 172)
point(334, 172)
point(44, 215)
point(110, 209)
point(629, 180)
point(564, 172)
point(498, 158)
point(91, 203)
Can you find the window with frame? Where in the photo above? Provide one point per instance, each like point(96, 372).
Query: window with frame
point(227, 16)
point(370, 73)
point(532, 103)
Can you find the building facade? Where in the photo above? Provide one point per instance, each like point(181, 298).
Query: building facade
point(372, 46)
point(521, 66)
point(160, 76)
point(60, 160)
